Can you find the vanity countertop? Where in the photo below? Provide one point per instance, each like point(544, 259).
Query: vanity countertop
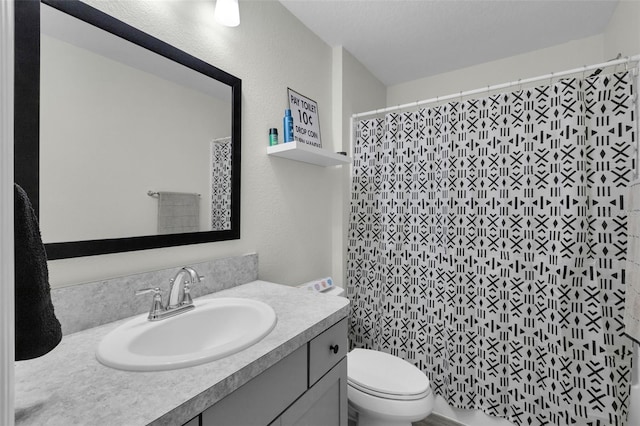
point(68, 386)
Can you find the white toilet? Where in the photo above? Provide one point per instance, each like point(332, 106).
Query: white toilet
point(383, 390)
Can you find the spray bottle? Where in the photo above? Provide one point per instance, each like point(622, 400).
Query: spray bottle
point(287, 123)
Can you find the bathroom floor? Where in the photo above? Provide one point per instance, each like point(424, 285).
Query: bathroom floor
point(436, 420)
point(432, 420)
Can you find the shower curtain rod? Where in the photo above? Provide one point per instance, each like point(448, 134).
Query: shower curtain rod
point(499, 86)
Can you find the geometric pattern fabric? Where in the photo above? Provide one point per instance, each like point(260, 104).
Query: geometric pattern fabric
point(221, 184)
point(487, 243)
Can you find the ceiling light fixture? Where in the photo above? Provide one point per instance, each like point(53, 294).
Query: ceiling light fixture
point(227, 13)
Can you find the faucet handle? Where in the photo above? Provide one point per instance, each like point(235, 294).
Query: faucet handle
point(155, 290)
point(156, 305)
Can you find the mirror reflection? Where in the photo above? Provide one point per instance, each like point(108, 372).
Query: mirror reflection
point(131, 143)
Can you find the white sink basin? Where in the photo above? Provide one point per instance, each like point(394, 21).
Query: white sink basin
point(215, 329)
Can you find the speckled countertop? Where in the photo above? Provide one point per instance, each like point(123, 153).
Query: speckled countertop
point(68, 386)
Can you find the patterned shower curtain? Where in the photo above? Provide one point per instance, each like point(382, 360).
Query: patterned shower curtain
point(221, 150)
point(487, 240)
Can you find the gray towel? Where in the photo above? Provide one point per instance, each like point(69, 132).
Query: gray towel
point(178, 212)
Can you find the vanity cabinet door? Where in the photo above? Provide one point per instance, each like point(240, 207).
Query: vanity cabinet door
point(260, 401)
point(307, 388)
point(324, 404)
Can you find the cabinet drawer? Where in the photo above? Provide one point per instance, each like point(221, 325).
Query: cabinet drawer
point(327, 350)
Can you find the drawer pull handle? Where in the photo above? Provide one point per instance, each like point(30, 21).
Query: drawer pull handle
point(334, 348)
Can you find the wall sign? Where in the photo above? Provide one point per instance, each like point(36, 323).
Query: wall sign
point(306, 124)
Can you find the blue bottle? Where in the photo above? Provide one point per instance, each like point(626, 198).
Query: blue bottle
point(287, 123)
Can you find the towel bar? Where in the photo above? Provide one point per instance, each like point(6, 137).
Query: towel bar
point(156, 193)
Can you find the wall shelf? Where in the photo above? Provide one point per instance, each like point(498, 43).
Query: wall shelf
point(307, 154)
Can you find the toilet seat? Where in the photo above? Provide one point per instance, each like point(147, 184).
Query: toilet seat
point(386, 376)
point(385, 395)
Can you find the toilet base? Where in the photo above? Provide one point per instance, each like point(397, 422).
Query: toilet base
point(373, 411)
point(361, 418)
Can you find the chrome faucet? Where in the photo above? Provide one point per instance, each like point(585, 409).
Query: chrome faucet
point(179, 299)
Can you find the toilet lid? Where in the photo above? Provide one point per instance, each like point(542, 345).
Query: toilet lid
point(385, 375)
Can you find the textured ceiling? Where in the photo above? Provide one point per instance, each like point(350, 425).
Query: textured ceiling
point(402, 40)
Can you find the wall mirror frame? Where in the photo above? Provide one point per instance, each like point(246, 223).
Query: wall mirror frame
point(27, 138)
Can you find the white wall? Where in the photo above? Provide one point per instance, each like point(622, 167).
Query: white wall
point(286, 206)
point(621, 36)
point(623, 32)
point(354, 89)
point(540, 62)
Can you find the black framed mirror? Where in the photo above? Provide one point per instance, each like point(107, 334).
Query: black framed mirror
point(171, 127)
